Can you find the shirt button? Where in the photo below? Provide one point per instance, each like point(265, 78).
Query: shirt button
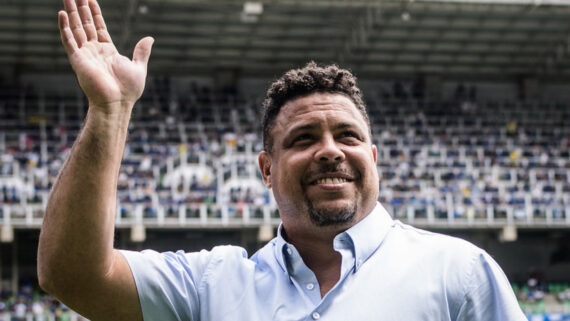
point(289, 251)
point(310, 286)
point(316, 316)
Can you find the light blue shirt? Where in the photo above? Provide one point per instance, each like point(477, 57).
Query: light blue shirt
point(390, 271)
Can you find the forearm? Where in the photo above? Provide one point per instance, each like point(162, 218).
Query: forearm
point(76, 241)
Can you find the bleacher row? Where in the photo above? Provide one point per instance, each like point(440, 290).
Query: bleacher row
point(496, 163)
point(192, 159)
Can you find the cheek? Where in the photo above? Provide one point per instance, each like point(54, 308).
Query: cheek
point(289, 170)
point(295, 162)
point(365, 163)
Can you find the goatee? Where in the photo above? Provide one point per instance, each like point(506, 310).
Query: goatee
point(330, 216)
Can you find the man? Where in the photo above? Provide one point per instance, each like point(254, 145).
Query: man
point(338, 255)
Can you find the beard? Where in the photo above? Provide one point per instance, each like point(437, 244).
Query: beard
point(330, 216)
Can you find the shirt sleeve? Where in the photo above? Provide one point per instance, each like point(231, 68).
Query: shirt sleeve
point(489, 295)
point(168, 283)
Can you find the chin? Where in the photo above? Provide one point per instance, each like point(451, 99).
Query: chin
point(331, 214)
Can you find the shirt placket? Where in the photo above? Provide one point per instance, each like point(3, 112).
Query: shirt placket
point(306, 282)
point(301, 276)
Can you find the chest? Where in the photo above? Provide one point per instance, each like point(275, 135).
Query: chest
point(369, 294)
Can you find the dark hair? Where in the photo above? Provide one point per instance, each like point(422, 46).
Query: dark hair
point(304, 81)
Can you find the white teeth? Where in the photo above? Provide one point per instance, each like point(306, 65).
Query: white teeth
point(330, 180)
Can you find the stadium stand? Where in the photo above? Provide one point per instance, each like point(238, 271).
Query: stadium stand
point(506, 163)
point(191, 161)
point(468, 102)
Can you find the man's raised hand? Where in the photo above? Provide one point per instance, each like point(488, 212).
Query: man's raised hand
point(107, 78)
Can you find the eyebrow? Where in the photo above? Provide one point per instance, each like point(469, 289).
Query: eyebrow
point(344, 125)
point(288, 136)
point(311, 127)
point(301, 128)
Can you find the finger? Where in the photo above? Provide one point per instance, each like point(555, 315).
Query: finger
point(141, 54)
point(101, 28)
point(86, 19)
point(75, 22)
point(67, 38)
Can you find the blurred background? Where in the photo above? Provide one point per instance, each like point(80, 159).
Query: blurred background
point(468, 99)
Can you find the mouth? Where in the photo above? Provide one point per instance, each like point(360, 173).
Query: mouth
point(331, 180)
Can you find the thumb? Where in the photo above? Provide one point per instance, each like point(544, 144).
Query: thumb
point(142, 51)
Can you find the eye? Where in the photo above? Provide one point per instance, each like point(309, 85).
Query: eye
point(349, 134)
point(302, 139)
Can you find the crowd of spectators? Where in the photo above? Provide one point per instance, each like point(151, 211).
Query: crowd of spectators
point(504, 161)
point(29, 303)
point(543, 297)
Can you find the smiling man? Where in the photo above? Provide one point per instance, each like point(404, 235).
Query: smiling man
point(338, 254)
point(319, 161)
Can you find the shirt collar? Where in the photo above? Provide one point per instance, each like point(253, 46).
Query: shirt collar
point(280, 247)
point(368, 234)
point(365, 237)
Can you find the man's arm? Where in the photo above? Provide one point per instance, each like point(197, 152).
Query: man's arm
point(76, 259)
point(489, 295)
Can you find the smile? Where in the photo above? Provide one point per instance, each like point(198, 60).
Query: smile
point(331, 180)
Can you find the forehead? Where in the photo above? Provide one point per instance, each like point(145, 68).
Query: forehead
point(319, 107)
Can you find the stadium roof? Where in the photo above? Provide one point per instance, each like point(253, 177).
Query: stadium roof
point(475, 38)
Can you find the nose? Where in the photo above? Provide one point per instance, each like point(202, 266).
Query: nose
point(329, 151)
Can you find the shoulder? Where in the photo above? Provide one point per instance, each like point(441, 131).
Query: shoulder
point(182, 257)
point(150, 264)
point(458, 262)
point(225, 260)
point(433, 243)
point(227, 252)
point(474, 283)
point(169, 284)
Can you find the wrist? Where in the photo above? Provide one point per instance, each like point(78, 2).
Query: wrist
point(118, 110)
point(114, 116)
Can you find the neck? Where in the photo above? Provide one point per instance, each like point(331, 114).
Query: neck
point(317, 252)
point(315, 244)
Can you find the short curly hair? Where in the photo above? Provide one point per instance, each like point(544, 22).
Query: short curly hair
point(304, 81)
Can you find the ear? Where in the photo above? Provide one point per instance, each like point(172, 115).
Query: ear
point(264, 160)
point(375, 153)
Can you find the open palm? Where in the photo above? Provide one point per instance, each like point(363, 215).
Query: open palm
point(105, 76)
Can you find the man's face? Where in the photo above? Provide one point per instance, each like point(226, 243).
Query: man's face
point(322, 168)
